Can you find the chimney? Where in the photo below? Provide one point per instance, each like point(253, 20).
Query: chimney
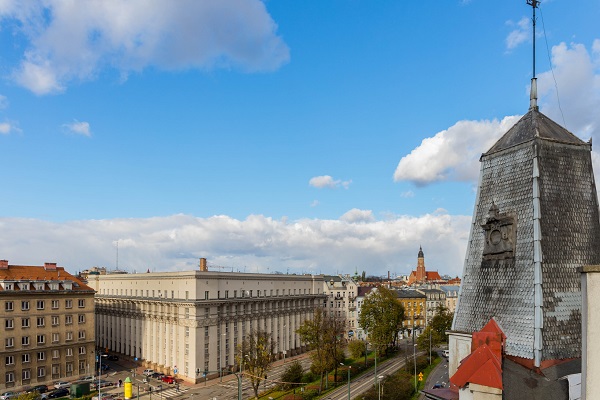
point(3, 264)
point(203, 266)
point(50, 266)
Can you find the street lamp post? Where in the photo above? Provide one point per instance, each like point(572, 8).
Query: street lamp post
point(380, 378)
point(349, 368)
point(375, 364)
point(221, 359)
point(100, 373)
point(284, 343)
point(415, 363)
point(430, 346)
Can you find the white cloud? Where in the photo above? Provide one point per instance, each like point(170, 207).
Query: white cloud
point(326, 181)
point(78, 128)
point(7, 127)
point(314, 203)
point(408, 194)
point(356, 216)
point(73, 41)
point(3, 102)
point(453, 154)
point(520, 34)
point(257, 243)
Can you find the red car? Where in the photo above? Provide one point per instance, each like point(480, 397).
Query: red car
point(168, 379)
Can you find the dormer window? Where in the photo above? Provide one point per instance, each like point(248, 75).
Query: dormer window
point(54, 286)
point(67, 285)
point(39, 286)
point(8, 286)
point(24, 286)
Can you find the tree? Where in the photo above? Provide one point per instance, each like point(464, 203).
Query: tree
point(324, 335)
point(357, 348)
point(437, 327)
point(381, 316)
point(256, 353)
point(292, 374)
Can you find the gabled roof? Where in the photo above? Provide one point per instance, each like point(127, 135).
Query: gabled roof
point(531, 125)
point(481, 367)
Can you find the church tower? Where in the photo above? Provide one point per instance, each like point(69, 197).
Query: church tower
point(535, 221)
point(421, 274)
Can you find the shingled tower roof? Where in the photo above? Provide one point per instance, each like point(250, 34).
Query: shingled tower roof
point(535, 221)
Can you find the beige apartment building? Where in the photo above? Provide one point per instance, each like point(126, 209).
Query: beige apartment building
point(190, 323)
point(47, 326)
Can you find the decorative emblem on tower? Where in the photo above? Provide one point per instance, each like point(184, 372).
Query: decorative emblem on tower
point(499, 234)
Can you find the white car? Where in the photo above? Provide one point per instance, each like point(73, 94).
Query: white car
point(8, 395)
point(62, 384)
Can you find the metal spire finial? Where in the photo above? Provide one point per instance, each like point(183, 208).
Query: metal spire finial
point(533, 95)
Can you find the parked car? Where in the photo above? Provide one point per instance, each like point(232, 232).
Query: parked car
point(62, 392)
point(157, 375)
point(103, 384)
point(168, 379)
point(87, 379)
point(8, 395)
point(437, 386)
point(62, 384)
point(148, 372)
point(446, 353)
point(113, 358)
point(40, 389)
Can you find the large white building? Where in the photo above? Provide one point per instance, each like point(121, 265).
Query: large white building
point(186, 323)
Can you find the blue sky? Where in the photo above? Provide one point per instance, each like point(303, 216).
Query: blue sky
point(315, 136)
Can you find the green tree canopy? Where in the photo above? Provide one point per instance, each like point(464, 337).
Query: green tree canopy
point(437, 327)
point(381, 316)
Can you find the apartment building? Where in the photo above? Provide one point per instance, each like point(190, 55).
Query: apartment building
point(414, 303)
point(341, 292)
point(47, 328)
point(191, 323)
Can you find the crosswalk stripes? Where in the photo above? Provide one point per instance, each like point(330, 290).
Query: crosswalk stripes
point(172, 392)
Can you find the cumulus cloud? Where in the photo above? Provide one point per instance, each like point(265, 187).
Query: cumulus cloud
point(255, 244)
point(356, 216)
point(453, 154)
point(3, 102)
point(326, 181)
point(73, 41)
point(521, 33)
point(78, 128)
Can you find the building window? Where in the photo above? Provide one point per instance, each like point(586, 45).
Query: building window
point(41, 355)
point(227, 294)
point(10, 360)
point(55, 304)
point(9, 306)
point(68, 319)
point(55, 338)
point(40, 304)
point(69, 352)
point(9, 323)
point(24, 322)
point(25, 358)
point(81, 335)
point(55, 353)
point(82, 350)
point(25, 340)
point(81, 366)
point(81, 303)
point(206, 295)
point(41, 339)
point(10, 377)
point(41, 321)
point(68, 303)
point(26, 374)
point(55, 320)
point(25, 305)
point(69, 336)
point(41, 372)
point(9, 342)
point(186, 312)
point(187, 331)
point(69, 366)
point(81, 318)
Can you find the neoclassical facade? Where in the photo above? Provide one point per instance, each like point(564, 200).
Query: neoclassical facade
point(186, 323)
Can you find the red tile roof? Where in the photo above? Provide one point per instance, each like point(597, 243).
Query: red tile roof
point(39, 273)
